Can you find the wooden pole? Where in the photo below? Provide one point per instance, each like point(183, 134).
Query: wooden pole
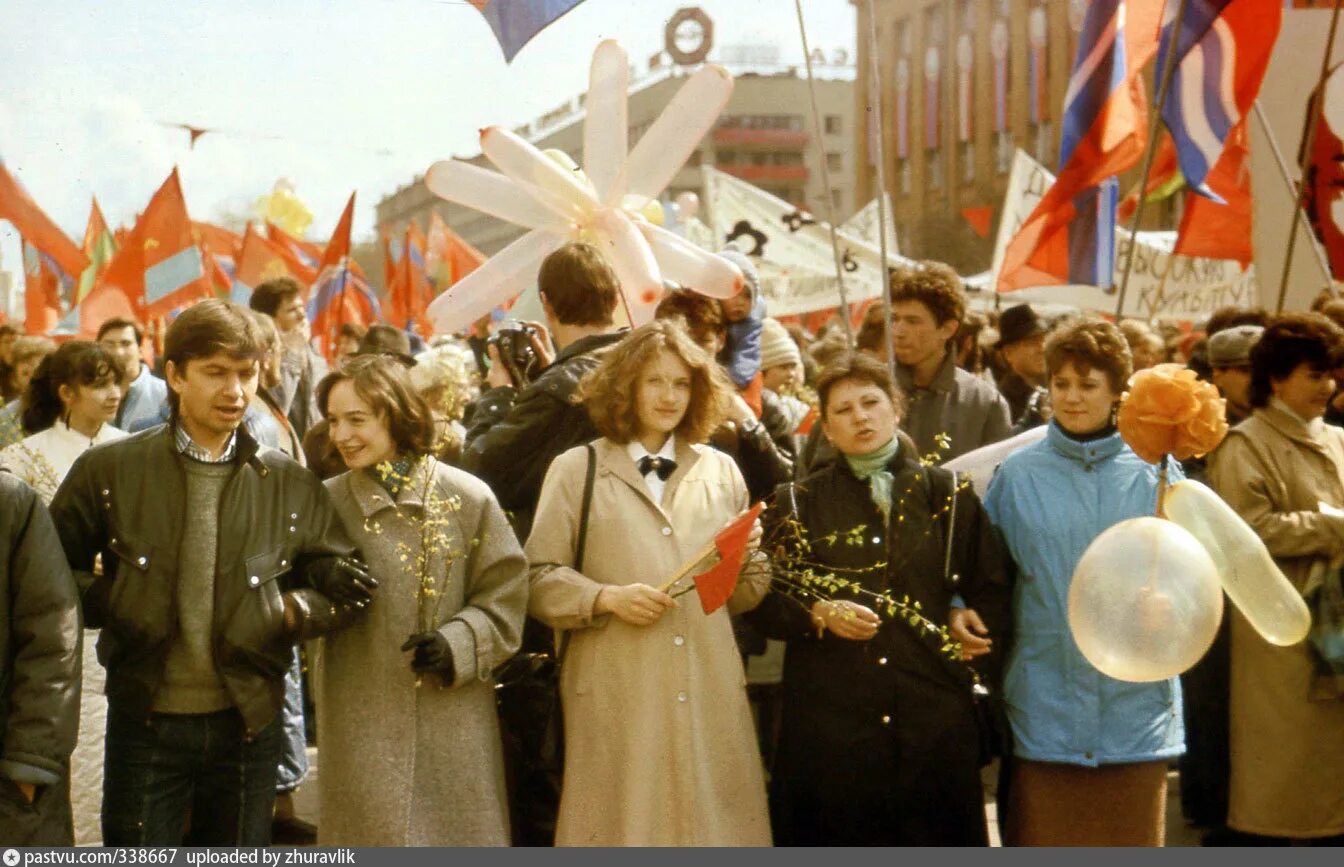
point(1154, 128)
point(880, 158)
point(688, 567)
point(1299, 210)
point(817, 132)
point(1308, 141)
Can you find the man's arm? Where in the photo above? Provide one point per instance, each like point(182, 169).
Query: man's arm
point(82, 529)
point(326, 555)
point(43, 711)
point(512, 453)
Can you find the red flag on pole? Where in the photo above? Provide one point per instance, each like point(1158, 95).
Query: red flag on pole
point(37, 228)
point(716, 584)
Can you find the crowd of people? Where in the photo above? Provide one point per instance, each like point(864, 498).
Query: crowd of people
point(465, 571)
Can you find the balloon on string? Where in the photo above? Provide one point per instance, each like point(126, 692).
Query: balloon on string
point(688, 205)
point(1145, 601)
point(1252, 579)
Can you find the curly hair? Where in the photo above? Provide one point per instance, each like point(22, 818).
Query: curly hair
point(76, 363)
point(384, 384)
point(934, 285)
point(609, 391)
point(858, 367)
point(702, 316)
point(1090, 344)
point(1293, 339)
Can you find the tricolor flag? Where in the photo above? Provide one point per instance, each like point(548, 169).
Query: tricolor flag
point(515, 22)
point(1222, 52)
point(1103, 135)
point(100, 247)
point(159, 267)
point(339, 294)
point(36, 227)
point(44, 283)
point(410, 292)
point(1221, 231)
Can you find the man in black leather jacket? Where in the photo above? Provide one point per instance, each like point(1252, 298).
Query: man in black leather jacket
point(516, 430)
point(217, 556)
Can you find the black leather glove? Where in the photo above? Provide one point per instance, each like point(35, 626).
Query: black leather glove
point(432, 653)
point(341, 580)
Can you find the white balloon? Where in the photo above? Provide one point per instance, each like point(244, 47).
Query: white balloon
point(687, 265)
point(1252, 579)
point(499, 278)
point(606, 127)
point(1145, 601)
point(632, 260)
point(515, 157)
point(491, 193)
point(688, 205)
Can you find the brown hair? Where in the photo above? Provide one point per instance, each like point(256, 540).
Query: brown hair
point(934, 285)
point(579, 285)
point(26, 347)
point(609, 391)
point(702, 317)
point(384, 383)
point(268, 296)
point(1089, 344)
point(858, 367)
point(118, 322)
point(873, 329)
point(208, 328)
point(1289, 340)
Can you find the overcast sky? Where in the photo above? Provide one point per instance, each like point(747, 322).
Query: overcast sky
point(334, 95)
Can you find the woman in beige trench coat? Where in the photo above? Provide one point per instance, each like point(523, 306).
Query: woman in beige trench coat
point(1282, 470)
point(659, 744)
point(409, 741)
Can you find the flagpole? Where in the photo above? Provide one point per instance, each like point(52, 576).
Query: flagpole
point(1308, 141)
point(1299, 211)
point(875, 102)
point(826, 180)
point(1154, 128)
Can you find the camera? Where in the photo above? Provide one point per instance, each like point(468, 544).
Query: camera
point(513, 340)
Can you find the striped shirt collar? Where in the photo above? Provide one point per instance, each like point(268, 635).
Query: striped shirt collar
point(187, 446)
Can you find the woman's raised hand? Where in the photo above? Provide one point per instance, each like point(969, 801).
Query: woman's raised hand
point(846, 619)
point(636, 604)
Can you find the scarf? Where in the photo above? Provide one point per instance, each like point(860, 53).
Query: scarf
point(393, 475)
point(873, 467)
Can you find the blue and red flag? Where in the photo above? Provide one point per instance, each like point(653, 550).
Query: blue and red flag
point(1103, 134)
point(339, 294)
point(1222, 52)
point(515, 22)
point(37, 228)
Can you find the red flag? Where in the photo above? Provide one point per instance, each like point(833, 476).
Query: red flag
point(716, 584)
point(1163, 178)
point(36, 227)
point(1217, 231)
point(448, 258)
point(979, 219)
point(160, 268)
point(41, 291)
point(302, 257)
point(389, 261)
point(258, 261)
point(1113, 141)
point(340, 293)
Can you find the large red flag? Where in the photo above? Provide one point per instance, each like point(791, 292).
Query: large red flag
point(160, 266)
point(1106, 101)
point(716, 584)
point(303, 257)
point(36, 227)
point(411, 293)
point(448, 258)
point(1222, 231)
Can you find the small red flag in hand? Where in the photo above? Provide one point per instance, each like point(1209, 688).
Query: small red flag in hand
point(717, 583)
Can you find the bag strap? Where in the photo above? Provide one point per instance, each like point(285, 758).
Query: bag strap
point(579, 549)
point(951, 526)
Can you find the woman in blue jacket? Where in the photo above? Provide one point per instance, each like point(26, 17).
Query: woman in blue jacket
point(1090, 752)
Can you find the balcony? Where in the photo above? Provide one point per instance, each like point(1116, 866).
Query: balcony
point(764, 138)
point(756, 174)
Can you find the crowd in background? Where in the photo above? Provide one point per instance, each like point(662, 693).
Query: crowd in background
point(449, 566)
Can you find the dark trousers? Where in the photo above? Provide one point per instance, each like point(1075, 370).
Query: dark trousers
point(1206, 765)
point(159, 772)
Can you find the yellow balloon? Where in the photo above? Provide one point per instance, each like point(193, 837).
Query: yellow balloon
point(653, 212)
point(1252, 579)
point(1145, 602)
point(564, 160)
point(284, 209)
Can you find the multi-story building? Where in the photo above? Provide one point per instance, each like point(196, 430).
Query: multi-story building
point(765, 135)
point(963, 84)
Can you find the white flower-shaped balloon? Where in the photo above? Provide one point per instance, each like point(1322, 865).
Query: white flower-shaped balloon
point(602, 206)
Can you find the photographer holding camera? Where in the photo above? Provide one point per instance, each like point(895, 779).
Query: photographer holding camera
point(517, 429)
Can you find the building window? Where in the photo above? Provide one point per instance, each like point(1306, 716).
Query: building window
point(834, 162)
point(834, 125)
point(967, 162)
point(1045, 143)
point(906, 175)
point(838, 199)
point(933, 169)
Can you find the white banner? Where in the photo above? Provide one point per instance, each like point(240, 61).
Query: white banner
point(1161, 285)
point(791, 248)
point(866, 226)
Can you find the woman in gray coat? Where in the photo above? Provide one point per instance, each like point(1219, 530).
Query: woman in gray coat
point(409, 740)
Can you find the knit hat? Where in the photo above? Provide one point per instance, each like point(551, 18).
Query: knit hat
point(777, 347)
point(748, 269)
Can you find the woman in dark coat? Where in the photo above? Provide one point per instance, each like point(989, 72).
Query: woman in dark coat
point(880, 745)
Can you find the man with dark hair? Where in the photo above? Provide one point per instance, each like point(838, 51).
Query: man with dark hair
point(1022, 345)
point(301, 367)
point(142, 392)
point(951, 411)
point(517, 430)
point(217, 556)
point(39, 673)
